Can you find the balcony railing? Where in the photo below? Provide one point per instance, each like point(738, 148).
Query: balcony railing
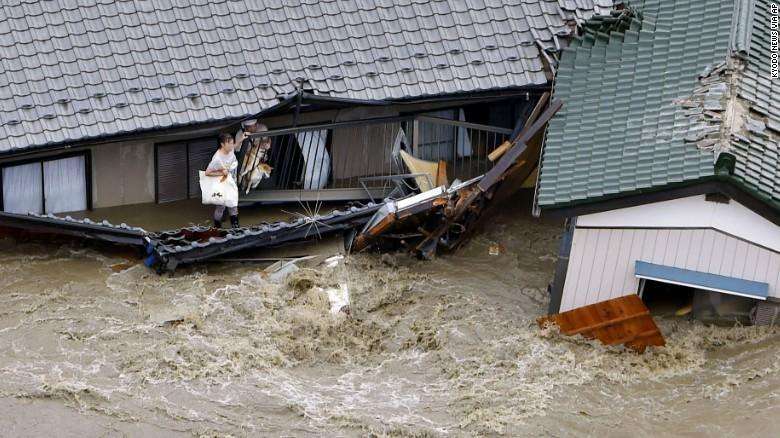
point(363, 159)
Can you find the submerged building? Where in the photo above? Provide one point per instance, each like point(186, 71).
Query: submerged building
point(119, 103)
point(665, 159)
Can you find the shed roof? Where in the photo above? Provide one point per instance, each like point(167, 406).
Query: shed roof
point(655, 93)
point(75, 70)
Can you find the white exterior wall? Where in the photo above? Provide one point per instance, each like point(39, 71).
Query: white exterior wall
point(692, 212)
point(687, 233)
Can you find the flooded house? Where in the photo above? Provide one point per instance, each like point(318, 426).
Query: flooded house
point(665, 160)
point(118, 104)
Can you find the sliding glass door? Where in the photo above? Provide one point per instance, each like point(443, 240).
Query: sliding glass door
point(23, 188)
point(46, 186)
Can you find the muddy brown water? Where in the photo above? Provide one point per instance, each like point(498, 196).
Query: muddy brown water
point(441, 348)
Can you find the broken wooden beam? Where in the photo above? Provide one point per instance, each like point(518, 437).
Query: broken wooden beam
point(500, 150)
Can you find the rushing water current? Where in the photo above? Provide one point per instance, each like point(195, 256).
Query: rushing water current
point(442, 348)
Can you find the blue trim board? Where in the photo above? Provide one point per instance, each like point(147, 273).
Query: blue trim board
point(702, 280)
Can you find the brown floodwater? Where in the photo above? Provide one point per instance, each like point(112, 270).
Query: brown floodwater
point(442, 348)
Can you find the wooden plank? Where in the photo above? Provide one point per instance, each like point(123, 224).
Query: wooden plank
point(441, 174)
point(624, 320)
point(519, 145)
point(499, 151)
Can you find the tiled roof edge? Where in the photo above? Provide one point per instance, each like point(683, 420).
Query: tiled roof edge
point(742, 27)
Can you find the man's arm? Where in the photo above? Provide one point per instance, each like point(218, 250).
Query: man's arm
point(240, 136)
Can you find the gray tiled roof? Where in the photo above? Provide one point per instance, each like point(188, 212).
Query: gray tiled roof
point(649, 102)
point(80, 69)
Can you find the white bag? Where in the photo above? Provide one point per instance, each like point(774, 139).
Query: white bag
point(216, 192)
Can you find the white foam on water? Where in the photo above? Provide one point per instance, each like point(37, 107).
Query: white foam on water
point(448, 347)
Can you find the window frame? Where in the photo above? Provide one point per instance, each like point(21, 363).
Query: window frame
point(86, 153)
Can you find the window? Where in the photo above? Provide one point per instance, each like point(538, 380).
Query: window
point(178, 165)
point(52, 185)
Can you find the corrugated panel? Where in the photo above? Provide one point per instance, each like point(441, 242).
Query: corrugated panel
point(199, 155)
point(595, 273)
point(171, 172)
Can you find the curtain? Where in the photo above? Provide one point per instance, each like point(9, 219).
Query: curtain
point(443, 142)
point(316, 157)
point(363, 150)
point(464, 142)
point(65, 185)
point(23, 189)
point(436, 141)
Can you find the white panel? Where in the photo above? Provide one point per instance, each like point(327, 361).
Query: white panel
point(707, 246)
point(738, 265)
point(587, 267)
point(597, 271)
point(729, 250)
point(762, 266)
point(609, 265)
point(65, 185)
point(718, 248)
point(23, 189)
point(573, 270)
point(637, 242)
point(683, 248)
point(660, 246)
point(773, 275)
point(623, 258)
point(648, 248)
point(695, 249)
point(737, 220)
point(751, 262)
point(692, 212)
point(672, 247)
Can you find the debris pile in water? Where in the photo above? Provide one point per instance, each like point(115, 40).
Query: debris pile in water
point(442, 348)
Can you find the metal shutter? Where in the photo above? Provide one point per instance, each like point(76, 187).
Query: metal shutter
point(171, 172)
point(198, 157)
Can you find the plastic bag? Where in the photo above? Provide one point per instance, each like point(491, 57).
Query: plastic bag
point(215, 191)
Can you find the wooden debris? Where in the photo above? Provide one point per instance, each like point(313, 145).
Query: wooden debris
point(501, 149)
point(625, 320)
point(442, 218)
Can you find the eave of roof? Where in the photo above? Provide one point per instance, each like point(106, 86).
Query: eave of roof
point(727, 185)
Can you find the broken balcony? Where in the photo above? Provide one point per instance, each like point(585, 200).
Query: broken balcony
point(370, 159)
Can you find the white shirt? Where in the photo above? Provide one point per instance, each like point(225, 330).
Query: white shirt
point(224, 161)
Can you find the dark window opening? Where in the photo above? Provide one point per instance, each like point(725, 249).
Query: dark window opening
point(664, 299)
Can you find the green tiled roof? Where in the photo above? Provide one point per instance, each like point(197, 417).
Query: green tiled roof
point(647, 93)
point(756, 146)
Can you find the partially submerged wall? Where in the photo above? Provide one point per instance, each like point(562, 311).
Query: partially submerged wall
point(690, 233)
point(123, 173)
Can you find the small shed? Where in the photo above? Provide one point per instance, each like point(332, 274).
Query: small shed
point(666, 159)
